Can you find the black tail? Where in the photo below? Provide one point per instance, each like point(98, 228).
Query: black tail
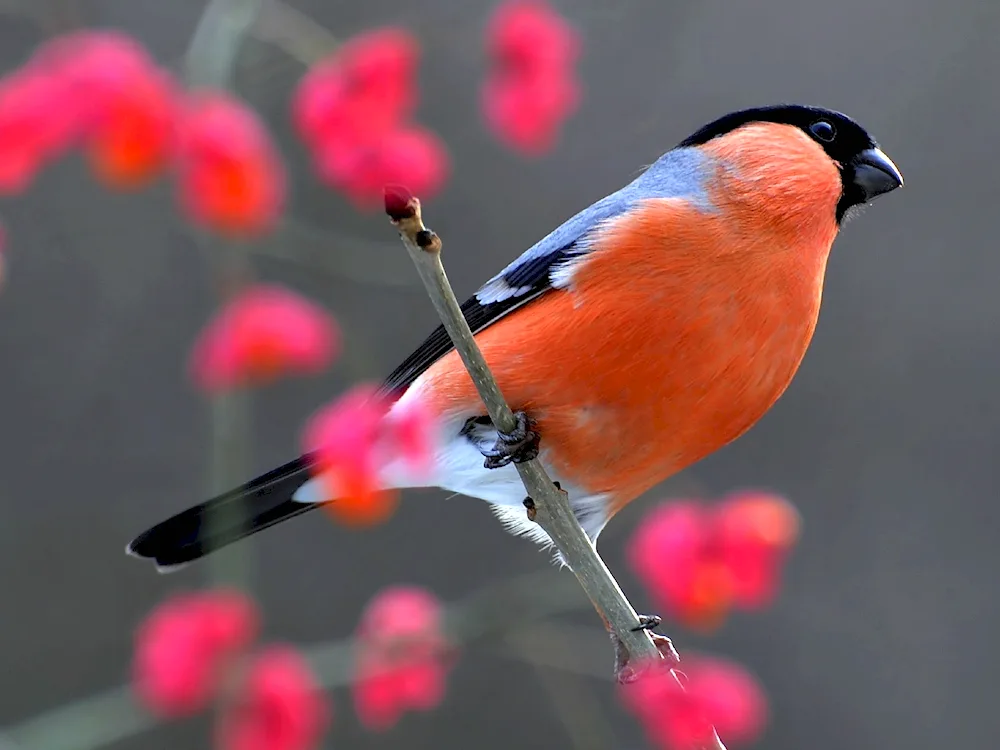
point(253, 507)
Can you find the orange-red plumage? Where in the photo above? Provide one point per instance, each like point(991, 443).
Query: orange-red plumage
point(686, 324)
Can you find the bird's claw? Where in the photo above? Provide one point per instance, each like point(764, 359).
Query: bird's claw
point(624, 673)
point(517, 446)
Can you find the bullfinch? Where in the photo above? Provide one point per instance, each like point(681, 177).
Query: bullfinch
point(649, 330)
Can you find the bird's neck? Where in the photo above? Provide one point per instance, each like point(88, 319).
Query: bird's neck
point(780, 186)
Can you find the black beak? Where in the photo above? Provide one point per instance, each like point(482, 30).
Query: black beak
point(875, 174)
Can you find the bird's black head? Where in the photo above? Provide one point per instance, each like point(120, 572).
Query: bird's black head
point(866, 172)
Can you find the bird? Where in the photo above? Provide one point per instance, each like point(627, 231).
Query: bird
point(648, 331)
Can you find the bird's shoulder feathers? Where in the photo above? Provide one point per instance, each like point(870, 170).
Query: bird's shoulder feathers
point(547, 265)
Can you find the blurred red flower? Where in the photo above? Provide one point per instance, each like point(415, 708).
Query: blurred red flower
point(353, 441)
point(531, 87)
point(126, 107)
point(359, 93)
point(230, 178)
point(529, 35)
point(527, 113)
point(401, 657)
point(412, 436)
point(95, 87)
point(411, 155)
point(279, 707)
point(32, 131)
point(266, 331)
point(132, 136)
point(182, 647)
point(714, 693)
point(756, 531)
point(699, 561)
point(344, 436)
point(96, 59)
point(353, 111)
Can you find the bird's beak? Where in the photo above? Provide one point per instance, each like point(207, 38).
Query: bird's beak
point(875, 174)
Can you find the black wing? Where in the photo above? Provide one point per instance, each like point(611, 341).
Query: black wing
point(525, 283)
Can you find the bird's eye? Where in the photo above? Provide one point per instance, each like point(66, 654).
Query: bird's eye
point(823, 130)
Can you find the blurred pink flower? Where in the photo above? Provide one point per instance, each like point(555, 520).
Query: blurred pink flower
point(122, 106)
point(98, 60)
point(407, 155)
point(756, 532)
point(182, 647)
point(529, 35)
point(699, 561)
point(401, 658)
point(531, 87)
point(31, 129)
point(353, 111)
point(133, 137)
point(128, 106)
point(230, 177)
point(527, 113)
point(412, 435)
point(98, 88)
point(361, 92)
point(279, 706)
point(714, 693)
point(344, 436)
point(354, 438)
point(265, 332)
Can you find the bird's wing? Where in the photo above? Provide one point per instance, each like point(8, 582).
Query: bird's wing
point(532, 274)
point(547, 265)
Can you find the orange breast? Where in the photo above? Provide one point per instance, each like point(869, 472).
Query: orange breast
point(677, 334)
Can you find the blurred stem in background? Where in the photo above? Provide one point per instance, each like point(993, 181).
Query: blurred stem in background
point(486, 615)
point(216, 41)
point(578, 709)
point(231, 429)
point(291, 30)
point(209, 62)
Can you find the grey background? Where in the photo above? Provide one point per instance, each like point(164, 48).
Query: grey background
point(885, 635)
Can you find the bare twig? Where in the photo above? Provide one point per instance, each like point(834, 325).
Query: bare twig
point(552, 510)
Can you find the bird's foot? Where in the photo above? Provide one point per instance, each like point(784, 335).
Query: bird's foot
point(517, 446)
point(624, 673)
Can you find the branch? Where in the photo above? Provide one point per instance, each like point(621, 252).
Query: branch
point(552, 510)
